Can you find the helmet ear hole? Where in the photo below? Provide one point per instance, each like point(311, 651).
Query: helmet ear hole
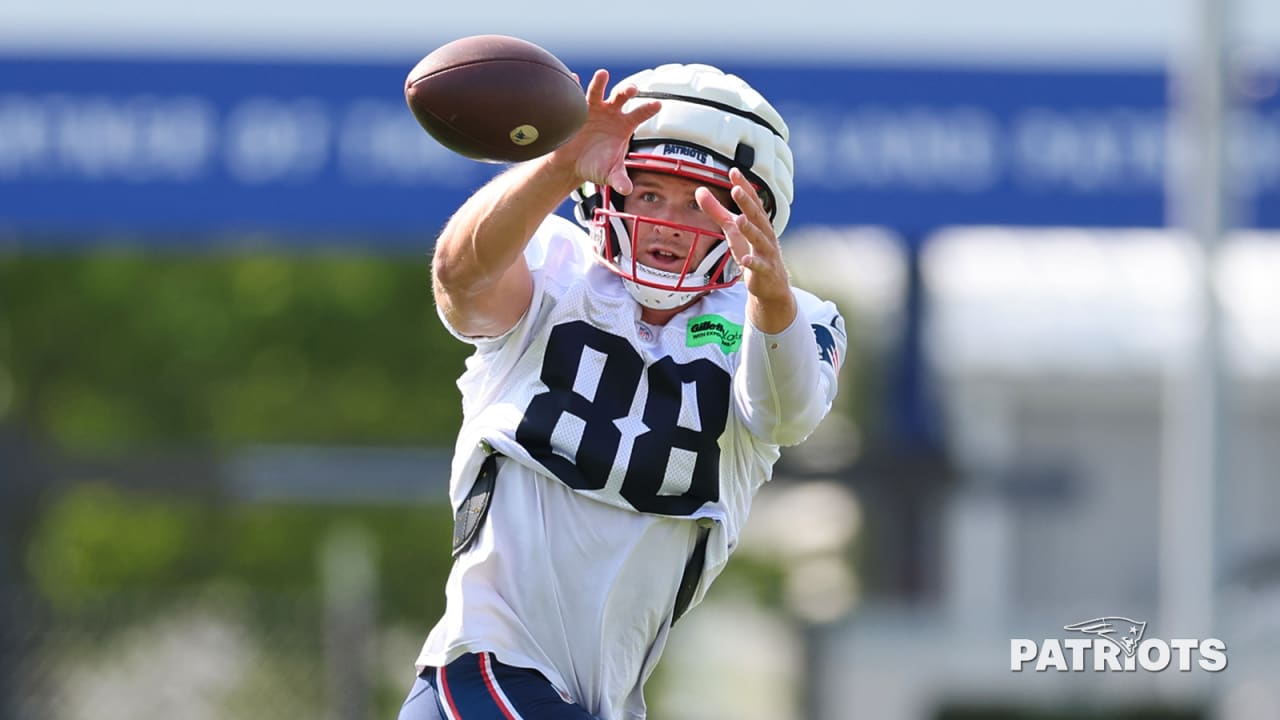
point(610, 199)
point(614, 227)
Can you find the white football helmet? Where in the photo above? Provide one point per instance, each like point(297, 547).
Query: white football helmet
point(709, 121)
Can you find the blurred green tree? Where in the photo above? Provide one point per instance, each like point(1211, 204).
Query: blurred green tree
point(122, 353)
point(115, 350)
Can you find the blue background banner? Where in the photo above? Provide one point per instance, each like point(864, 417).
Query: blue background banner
point(184, 152)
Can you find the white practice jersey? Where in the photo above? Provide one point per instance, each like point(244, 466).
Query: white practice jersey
point(617, 439)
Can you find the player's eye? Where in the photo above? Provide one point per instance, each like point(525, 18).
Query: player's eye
point(649, 197)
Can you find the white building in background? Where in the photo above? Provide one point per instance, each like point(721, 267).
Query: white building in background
point(1052, 352)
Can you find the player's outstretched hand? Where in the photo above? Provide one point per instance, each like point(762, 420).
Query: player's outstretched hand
point(598, 149)
point(755, 246)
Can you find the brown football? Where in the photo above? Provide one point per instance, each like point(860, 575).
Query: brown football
point(495, 98)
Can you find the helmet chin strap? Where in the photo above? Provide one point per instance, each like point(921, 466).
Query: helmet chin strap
point(658, 298)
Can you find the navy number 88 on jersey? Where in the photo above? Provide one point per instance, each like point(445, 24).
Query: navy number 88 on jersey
point(605, 416)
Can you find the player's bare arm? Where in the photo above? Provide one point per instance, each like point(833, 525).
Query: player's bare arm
point(480, 279)
point(771, 305)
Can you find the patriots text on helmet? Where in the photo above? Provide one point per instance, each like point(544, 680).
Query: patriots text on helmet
point(687, 151)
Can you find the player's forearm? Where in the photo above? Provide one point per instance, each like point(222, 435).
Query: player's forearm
point(487, 235)
point(783, 390)
point(772, 315)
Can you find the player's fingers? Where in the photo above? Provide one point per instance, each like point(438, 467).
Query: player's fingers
point(754, 222)
point(727, 221)
point(619, 180)
point(738, 246)
point(711, 205)
point(738, 181)
point(759, 240)
point(747, 198)
point(623, 93)
point(641, 113)
point(760, 236)
point(749, 204)
point(595, 88)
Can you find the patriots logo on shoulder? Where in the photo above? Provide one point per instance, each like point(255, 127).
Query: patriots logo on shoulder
point(828, 352)
point(1107, 627)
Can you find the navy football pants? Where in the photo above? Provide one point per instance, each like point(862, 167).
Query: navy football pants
point(477, 687)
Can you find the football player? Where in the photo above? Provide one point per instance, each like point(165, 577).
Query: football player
point(629, 391)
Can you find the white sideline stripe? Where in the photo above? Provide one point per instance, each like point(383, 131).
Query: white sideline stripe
point(486, 664)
